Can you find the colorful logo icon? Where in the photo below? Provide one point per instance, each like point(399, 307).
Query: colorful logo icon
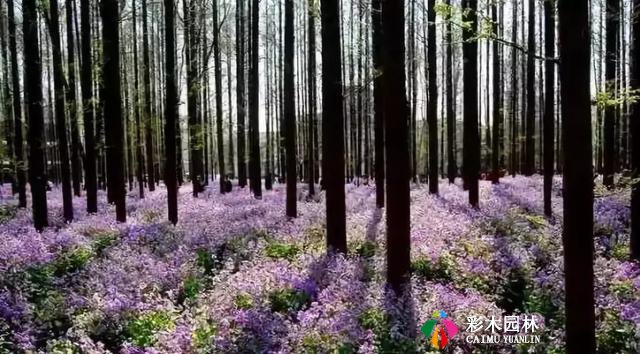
point(439, 329)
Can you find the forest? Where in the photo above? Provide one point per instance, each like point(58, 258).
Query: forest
point(319, 176)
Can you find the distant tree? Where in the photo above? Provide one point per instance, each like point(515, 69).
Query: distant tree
point(396, 118)
point(148, 125)
point(18, 148)
point(635, 135)
point(61, 123)
point(33, 92)
point(471, 143)
point(432, 99)
point(575, 56)
point(498, 117)
point(549, 103)
point(136, 104)
point(514, 92)
point(332, 127)
point(452, 168)
point(112, 101)
point(76, 163)
point(193, 90)
point(254, 89)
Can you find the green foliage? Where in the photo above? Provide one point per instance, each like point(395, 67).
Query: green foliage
point(206, 260)
point(441, 270)
point(7, 212)
point(624, 290)
point(104, 239)
point(191, 287)
point(615, 335)
point(203, 335)
point(373, 319)
point(62, 346)
point(282, 251)
point(72, 260)
point(289, 300)
point(378, 322)
point(367, 249)
point(141, 329)
point(612, 98)
point(243, 301)
point(620, 251)
point(323, 343)
point(536, 221)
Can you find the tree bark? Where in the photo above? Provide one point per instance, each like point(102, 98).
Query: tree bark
point(549, 104)
point(610, 85)
point(432, 99)
point(289, 111)
point(634, 121)
point(471, 143)
point(171, 111)
point(254, 81)
point(578, 187)
point(218, 82)
point(86, 82)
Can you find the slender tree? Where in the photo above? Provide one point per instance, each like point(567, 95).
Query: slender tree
point(136, 104)
point(240, 92)
point(86, 82)
point(575, 56)
point(61, 123)
point(529, 163)
point(549, 103)
point(332, 127)
point(289, 111)
point(18, 148)
point(254, 80)
point(611, 58)
point(311, 90)
point(148, 125)
point(171, 112)
point(218, 82)
point(471, 143)
point(112, 100)
point(378, 109)
point(76, 163)
point(634, 120)
point(33, 92)
point(432, 99)
point(452, 168)
point(396, 119)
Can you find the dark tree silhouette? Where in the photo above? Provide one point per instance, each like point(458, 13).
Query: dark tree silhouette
point(530, 156)
point(241, 93)
point(171, 112)
point(471, 143)
point(254, 88)
point(112, 100)
point(549, 103)
point(498, 117)
point(634, 120)
point(378, 109)
point(86, 81)
point(18, 149)
point(289, 111)
point(452, 168)
point(432, 99)
point(61, 123)
point(76, 163)
point(396, 118)
point(218, 82)
point(311, 90)
point(33, 90)
point(332, 127)
point(136, 104)
point(148, 122)
point(575, 55)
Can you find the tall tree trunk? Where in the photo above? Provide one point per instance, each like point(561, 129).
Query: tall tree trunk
point(530, 156)
point(432, 99)
point(171, 112)
point(634, 121)
point(136, 105)
point(241, 92)
point(231, 152)
point(471, 143)
point(578, 187)
point(218, 82)
point(254, 127)
point(76, 163)
point(18, 148)
point(549, 103)
point(112, 101)
point(609, 153)
point(33, 93)
point(7, 100)
point(61, 123)
point(311, 66)
point(514, 92)
point(378, 108)
point(496, 153)
point(148, 126)
point(398, 167)
point(86, 82)
point(332, 127)
point(289, 111)
point(195, 146)
point(452, 168)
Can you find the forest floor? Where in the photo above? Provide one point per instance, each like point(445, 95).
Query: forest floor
point(236, 276)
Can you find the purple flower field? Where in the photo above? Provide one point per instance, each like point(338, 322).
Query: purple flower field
point(236, 276)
